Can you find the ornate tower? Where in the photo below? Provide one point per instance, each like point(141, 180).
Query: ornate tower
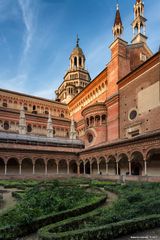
point(22, 122)
point(118, 27)
point(139, 23)
point(76, 78)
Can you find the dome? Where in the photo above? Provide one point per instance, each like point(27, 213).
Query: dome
point(77, 51)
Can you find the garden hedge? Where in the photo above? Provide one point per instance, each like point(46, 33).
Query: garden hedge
point(12, 232)
point(105, 232)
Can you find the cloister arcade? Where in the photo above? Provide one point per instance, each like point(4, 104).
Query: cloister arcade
point(136, 163)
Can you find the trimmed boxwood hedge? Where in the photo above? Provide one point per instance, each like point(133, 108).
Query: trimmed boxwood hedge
point(105, 232)
point(18, 194)
point(12, 232)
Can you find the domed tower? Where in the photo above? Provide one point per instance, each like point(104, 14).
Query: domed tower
point(76, 78)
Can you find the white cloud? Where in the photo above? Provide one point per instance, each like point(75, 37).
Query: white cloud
point(45, 93)
point(16, 83)
point(27, 16)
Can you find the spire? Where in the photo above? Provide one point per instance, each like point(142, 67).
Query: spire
point(22, 122)
point(73, 133)
point(49, 127)
point(139, 23)
point(77, 41)
point(118, 26)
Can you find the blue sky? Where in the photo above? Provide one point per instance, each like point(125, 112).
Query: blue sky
point(37, 37)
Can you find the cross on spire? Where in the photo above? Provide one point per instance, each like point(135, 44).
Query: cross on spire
point(117, 5)
point(77, 42)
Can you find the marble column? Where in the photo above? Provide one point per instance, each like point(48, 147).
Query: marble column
point(46, 169)
point(84, 169)
point(67, 167)
point(145, 167)
point(129, 166)
point(98, 171)
point(20, 168)
point(57, 168)
point(33, 168)
point(107, 172)
point(117, 163)
point(90, 168)
point(5, 170)
point(78, 169)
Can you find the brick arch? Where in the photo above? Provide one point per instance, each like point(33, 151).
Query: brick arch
point(152, 150)
point(40, 166)
point(153, 162)
point(137, 163)
point(123, 164)
point(51, 166)
point(27, 166)
point(2, 166)
point(111, 159)
point(62, 165)
point(102, 165)
point(73, 166)
point(94, 162)
point(136, 150)
point(87, 166)
point(81, 166)
point(13, 166)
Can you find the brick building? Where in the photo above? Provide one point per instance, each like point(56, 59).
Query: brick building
point(108, 126)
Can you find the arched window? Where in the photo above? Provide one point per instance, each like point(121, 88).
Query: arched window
point(80, 61)
point(62, 115)
point(75, 61)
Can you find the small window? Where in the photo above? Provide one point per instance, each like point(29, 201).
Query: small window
point(80, 61)
point(6, 125)
point(135, 133)
point(4, 104)
point(29, 128)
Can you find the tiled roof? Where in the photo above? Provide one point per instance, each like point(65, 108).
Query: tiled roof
point(40, 139)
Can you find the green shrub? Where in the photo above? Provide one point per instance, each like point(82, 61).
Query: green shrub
point(105, 232)
point(44, 204)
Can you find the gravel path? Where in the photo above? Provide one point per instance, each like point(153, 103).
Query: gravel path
point(153, 234)
point(9, 201)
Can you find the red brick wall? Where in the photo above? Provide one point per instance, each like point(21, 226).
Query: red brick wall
point(142, 78)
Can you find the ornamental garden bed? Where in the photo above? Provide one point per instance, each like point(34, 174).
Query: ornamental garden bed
point(46, 203)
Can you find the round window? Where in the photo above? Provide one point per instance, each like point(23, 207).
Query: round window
point(90, 137)
point(133, 114)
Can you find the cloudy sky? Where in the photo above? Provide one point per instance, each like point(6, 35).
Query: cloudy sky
point(37, 37)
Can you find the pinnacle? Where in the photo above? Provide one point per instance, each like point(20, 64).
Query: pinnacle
point(118, 17)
